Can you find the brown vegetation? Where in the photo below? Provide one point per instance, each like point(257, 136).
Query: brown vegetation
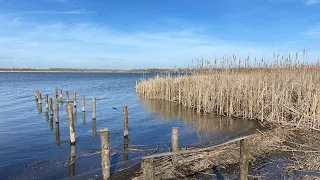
point(285, 94)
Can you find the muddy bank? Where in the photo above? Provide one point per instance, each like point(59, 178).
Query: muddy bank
point(274, 154)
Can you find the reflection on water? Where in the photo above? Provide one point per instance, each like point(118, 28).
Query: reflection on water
point(94, 128)
point(83, 117)
point(75, 114)
point(169, 111)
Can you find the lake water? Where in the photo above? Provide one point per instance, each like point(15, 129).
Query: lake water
point(33, 146)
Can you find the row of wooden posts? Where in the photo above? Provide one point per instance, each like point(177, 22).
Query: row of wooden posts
point(147, 165)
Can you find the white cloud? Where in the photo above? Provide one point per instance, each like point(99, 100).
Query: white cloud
point(94, 46)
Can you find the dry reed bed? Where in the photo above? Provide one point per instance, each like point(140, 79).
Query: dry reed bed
point(289, 96)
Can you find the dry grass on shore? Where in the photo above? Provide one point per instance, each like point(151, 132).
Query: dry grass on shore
point(288, 142)
point(287, 95)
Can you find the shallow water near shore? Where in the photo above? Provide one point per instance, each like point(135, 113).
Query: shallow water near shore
point(33, 146)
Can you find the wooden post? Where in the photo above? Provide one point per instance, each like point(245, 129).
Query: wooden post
point(56, 103)
point(36, 94)
point(148, 169)
point(39, 98)
point(51, 108)
point(75, 99)
point(125, 148)
point(67, 96)
point(83, 104)
point(94, 108)
point(105, 153)
point(71, 124)
point(51, 122)
point(125, 118)
point(244, 160)
point(57, 93)
point(72, 160)
point(60, 95)
point(47, 115)
point(46, 101)
point(57, 134)
point(175, 145)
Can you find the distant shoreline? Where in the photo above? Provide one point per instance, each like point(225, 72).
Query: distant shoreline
point(89, 71)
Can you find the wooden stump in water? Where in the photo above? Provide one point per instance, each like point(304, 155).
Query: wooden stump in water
point(72, 160)
point(51, 108)
point(105, 153)
point(75, 99)
point(57, 93)
point(244, 160)
point(83, 104)
point(60, 95)
point(56, 103)
point(39, 98)
point(125, 118)
point(71, 124)
point(67, 96)
point(46, 101)
point(57, 134)
point(148, 169)
point(94, 108)
point(175, 145)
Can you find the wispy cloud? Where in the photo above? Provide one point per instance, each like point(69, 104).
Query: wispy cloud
point(96, 46)
point(70, 12)
point(312, 2)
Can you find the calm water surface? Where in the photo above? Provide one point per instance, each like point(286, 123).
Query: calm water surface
point(33, 146)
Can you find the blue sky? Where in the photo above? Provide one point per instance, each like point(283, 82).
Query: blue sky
point(118, 34)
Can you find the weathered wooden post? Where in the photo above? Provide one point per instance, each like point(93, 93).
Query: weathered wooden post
point(148, 169)
point(71, 124)
point(56, 103)
point(94, 108)
point(72, 160)
point(39, 98)
point(51, 108)
point(57, 134)
point(125, 147)
point(60, 95)
point(57, 93)
point(75, 99)
point(36, 94)
point(105, 153)
point(244, 160)
point(175, 145)
point(67, 96)
point(46, 101)
point(51, 122)
point(125, 118)
point(83, 104)
point(47, 115)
